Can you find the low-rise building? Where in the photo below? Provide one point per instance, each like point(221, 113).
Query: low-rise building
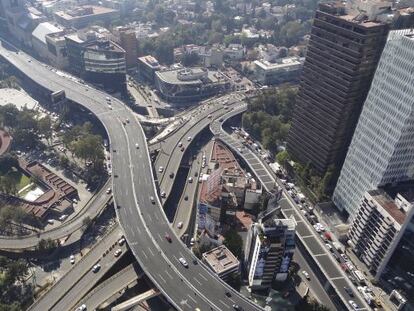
point(221, 261)
point(147, 67)
point(39, 41)
point(82, 16)
point(283, 70)
point(378, 227)
point(269, 250)
point(98, 60)
point(190, 84)
point(234, 51)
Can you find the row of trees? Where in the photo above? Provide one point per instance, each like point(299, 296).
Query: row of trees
point(268, 116)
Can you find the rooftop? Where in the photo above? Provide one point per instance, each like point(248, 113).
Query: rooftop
point(286, 63)
point(82, 11)
point(189, 76)
point(150, 61)
point(44, 29)
point(389, 205)
point(220, 259)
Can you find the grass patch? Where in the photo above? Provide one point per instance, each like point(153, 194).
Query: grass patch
point(20, 179)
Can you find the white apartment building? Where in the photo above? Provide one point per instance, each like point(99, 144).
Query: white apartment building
point(382, 148)
point(378, 227)
point(268, 251)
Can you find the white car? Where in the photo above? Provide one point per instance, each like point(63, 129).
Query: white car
point(183, 262)
point(118, 252)
point(81, 308)
point(306, 274)
point(163, 194)
point(353, 304)
point(108, 191)
point(188, 138)
point(161, 169)
point(121, 241)
point(152, 199)
point(72, 259)
point(180, 144)
point(96, 268)
point(63, 217)
point(180, 225)
point(192, 241)
point(50, 221)
point(190, 180)
point(136, 146)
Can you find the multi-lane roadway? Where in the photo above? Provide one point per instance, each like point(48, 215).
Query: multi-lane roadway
point(139, 209)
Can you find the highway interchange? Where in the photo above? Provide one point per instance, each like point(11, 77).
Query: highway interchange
point(143, 222)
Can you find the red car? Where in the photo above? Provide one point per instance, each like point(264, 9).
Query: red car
point(168, 238)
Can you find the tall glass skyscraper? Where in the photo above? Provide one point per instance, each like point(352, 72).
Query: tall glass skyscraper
point(382, 148)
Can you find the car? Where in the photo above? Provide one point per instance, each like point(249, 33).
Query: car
point(190, 180)
point(353, 304)
point(188, 138)
point(96, 268)
point(63, 217)
point(118, 252)
point(50, 221)
point(121, 241)
point(183, 262)
point(108, 99)
point(81, 308)
point(236, 307)
point(168, 237)
point(180, 144)
point(161, 169)
point(306, 274)
point(152, 199)
point(349, 291)
point(72, 259)
point(186, 198)
point(182, 149)
point(192, 241)
point(228, 294)
point(137, 146)
point(127, 120)
point(171, 175)
point(163, 194)
point(180, 225)
point(108, 191)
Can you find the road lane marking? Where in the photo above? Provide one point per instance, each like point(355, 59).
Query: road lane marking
point(197, 281)
point(189, 296)
point(162, 278)
point(169, 275)
point(225, 304)
point(145, 255)
point(150, 250)
point(203, 277)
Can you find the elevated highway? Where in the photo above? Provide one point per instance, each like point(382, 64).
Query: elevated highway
point(140, 216)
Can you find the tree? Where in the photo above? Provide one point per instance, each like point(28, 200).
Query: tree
point(283, 158)
point(46, 245)
point(308, 304)
point(190, 59)
point(234, 242)
point(45, 127)
point(7, 162)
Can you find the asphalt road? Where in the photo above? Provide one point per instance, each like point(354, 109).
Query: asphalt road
point(335, 275)
point(80, 273)
point(143, 221)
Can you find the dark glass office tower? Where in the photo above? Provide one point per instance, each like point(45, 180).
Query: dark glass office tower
point(343, 52)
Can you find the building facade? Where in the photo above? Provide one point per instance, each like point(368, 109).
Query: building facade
point(281, 71)
point(82, 16)
point(147, 66)
point(378, 227)
point(382, 149)
point(268, 251)
point(184, 85)
point(343, 52)
point(127, 39)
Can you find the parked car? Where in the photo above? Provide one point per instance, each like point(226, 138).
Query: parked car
point(72, 259)
point(118, 252)
point(180, 225)
point(306, 274)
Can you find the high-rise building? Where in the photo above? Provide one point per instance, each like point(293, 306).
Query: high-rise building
point(268, 252)
point(343, 51)
point(378, 228)
point(382, 149)
point(127, 39)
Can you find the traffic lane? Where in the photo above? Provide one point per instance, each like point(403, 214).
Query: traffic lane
point(314, 284)
point(341, 283)
point(88, 280)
